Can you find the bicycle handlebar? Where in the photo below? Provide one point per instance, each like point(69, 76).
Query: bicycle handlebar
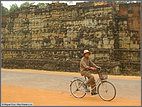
point(98, 71)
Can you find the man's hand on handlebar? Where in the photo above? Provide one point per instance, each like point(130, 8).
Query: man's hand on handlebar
point(94, 69)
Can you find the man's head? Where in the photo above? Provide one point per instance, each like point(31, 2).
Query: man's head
point(86, 53)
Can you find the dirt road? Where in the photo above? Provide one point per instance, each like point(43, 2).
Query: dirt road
point(52, 88)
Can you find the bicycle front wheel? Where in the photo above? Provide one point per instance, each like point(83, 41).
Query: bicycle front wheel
point(106, 91)
point(77, 89)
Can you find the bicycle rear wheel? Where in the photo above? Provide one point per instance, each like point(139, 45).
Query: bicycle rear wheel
point(77, 89)
point(106, 91)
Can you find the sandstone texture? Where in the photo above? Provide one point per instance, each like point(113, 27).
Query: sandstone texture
point(53, 38)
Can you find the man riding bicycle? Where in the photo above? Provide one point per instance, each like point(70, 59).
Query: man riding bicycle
point(85, 65)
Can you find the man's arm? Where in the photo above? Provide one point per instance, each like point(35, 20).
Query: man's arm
point(93, 65)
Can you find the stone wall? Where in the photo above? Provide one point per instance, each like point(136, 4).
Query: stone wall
point(54, 38)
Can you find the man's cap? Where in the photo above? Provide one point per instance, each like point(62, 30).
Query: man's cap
point(86, 51)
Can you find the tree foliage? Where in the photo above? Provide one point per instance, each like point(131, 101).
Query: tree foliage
point(13, 7)
point(42, 5)
point(4, 10)
point(26, 4)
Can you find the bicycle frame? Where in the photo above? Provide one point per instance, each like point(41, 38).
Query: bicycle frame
point(98, 81)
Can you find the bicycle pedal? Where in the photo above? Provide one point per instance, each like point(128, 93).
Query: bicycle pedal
point(87, 90)
point(94, 93)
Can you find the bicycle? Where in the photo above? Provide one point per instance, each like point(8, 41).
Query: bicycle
point(104, 88)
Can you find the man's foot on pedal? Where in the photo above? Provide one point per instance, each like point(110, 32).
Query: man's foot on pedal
point(94, 93)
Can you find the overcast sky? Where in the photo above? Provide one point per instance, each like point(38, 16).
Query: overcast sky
point(7, 4)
